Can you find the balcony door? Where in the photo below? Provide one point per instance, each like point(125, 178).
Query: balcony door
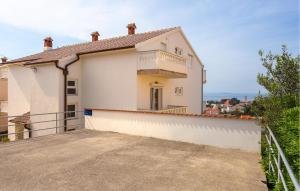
point(156, 94)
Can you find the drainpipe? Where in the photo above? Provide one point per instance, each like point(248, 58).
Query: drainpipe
point(65, 73)
point(202, 93)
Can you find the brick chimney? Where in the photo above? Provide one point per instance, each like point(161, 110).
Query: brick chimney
point(48, 43)
point(131, 28)
point(3, 59)
point(95, 36)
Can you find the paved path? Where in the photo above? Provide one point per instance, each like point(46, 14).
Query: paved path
point(93, 160)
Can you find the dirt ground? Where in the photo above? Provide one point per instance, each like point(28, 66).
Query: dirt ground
point(94, 160)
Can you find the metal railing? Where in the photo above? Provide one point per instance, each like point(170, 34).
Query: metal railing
point(18, 128)
point(277, 157)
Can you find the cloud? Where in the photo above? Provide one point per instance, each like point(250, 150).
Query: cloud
point(225, 34)
point(72, 18)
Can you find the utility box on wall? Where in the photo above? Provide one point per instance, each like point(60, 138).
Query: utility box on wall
point(88, 112)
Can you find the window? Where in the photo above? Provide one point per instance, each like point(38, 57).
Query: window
point(71, 111)
point(190, 60)
point(163, 46)
point(179, 91)
point(178, 51)
point(72, 87)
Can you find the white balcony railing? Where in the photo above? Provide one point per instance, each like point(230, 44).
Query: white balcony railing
point(174, 109)
point(3, 106)
point(170, 109)
point(162, 60)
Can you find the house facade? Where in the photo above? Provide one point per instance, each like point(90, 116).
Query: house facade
point(154, 71)
point(3, 94)
point(3, 99)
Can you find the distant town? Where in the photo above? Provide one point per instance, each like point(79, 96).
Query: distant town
point(229, 107)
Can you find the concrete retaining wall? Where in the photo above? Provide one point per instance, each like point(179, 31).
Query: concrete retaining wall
point(219, 132)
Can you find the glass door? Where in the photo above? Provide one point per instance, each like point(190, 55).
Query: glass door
point(156, 98)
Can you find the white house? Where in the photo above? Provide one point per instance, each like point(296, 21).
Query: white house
point(3, 99)
point(155, 71)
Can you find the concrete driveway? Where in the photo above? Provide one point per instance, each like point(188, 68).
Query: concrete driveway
point(93, 160)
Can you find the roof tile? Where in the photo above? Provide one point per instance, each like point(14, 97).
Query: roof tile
point(84, 48)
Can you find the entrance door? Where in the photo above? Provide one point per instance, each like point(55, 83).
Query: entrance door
point(156, 98)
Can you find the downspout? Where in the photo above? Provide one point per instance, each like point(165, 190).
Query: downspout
point(202, 92)
point(65, 74)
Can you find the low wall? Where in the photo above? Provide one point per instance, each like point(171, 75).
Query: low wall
point(219, 132)
point(3, 122)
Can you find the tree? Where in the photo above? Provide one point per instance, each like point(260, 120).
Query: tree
point(279, 110)
point(282, 77)
point(282, 83)
point(234, 101)
point(248, 110)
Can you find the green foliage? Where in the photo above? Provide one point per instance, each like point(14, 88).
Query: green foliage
point(4, 139)
point(287, 134)
point(236, 113)
point(279, 110)
point(248, 110)
point(282, 82)
point(282, 77)
point(234, 101)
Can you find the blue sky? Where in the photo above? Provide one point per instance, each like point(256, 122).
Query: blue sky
point(226, 34)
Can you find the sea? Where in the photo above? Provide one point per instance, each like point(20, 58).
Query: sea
point(226, 95)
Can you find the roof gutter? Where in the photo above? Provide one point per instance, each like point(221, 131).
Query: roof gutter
point(41, 62)
point(65, 72)
point(202, 70)
point(111, 49)
point(78, 54)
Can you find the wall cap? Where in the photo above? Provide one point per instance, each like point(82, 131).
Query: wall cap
point(175, 114)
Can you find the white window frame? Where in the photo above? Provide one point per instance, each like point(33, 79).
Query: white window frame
point(75, 111)
point(178, 51)
point(178, 91)
point(191, 60)
point(163, 46)
point(72, 87)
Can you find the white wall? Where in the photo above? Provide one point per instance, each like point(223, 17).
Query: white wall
point(3, 90)
point(109, 80)
point(45, 96)
point(144, 85)
point(34, 92)
point(192, 85)
point(19, 96)
point(75, 73)
point(3, 72)
point(19, 90)
point(225, 133)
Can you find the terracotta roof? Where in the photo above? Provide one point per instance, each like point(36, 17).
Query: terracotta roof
point(128, 41)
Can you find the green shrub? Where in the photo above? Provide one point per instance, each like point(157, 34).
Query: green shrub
point(279, 110)
point(287, 134)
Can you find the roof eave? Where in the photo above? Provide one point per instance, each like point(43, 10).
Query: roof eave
point(140, 44)
point(21, 61)
point(106, 50)
point(42, 62)
point(78, 54)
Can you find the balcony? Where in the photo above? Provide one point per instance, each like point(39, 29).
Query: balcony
point(173, 109)
point(161, 64)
